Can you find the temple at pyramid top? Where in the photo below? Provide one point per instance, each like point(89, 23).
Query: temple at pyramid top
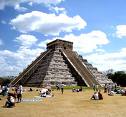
point(59, 64)
point(60, 44)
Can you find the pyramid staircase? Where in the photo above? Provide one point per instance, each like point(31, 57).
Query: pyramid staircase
point(86, 75)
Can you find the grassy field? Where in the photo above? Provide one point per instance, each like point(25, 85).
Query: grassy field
point(68, 104)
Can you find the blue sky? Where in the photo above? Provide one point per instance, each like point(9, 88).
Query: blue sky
point(96, 27)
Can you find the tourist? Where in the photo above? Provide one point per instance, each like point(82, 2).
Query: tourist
point(62, 88)
point(100, 96)
point(95, 96)
point(43, 92)
point(0, 90)
point(77, 90)
point(4, 90)
point(109, 88)
point(111, 93)
point(10, 101)
point(105, 88)
point(30, 89)
point(46, 92)
point(97, 87)
point(94, 87)
point(19, 93)
point(80, 89)
point(124, 92)
point(57, 87)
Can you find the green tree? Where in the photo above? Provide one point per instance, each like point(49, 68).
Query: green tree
point(118, 77)
point(4, 81)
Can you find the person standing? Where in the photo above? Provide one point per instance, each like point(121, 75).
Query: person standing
point(97, 87)
point(105, 88)
point(57, 87)
point(62, 88)
point(19, 93)
point(94, 87)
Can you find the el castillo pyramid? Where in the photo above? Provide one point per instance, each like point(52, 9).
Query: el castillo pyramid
point(60, 64)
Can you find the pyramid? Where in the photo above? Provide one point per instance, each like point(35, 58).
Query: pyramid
point(60, 64)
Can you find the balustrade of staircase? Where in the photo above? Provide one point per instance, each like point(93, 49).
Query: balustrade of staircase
point(30, 69)
point(85, 74)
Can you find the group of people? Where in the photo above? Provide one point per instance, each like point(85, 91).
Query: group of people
point(110, 89)
point(12, 97)
point(113, 89)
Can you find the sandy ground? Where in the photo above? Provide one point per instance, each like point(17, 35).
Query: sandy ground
point(68, 104)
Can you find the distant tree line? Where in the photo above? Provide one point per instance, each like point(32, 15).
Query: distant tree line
point(4, 81)
point(118, 77)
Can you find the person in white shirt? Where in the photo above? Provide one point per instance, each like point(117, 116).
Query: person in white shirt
point(19, 93)
point(95, 96)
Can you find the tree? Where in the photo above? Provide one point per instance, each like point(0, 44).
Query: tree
point(118, 77)
point(4, 81)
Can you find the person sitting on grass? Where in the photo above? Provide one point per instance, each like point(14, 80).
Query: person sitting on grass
point(111, 93)
point(100, 96)
point(97, 96)
point(77, 90)
point(10, 102)
point(44, 92)
point(124, 92)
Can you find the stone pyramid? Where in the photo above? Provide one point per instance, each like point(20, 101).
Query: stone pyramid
point(60, 64)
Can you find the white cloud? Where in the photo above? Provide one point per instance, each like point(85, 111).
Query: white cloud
point(6, 69)
point(19, 8)
point(105, 61)
point(121, 31)
point(26, 40)
point(86, 43)
point(48, 24)
point(54, 2)
point(58, 9)
point(4, 3)
point(11, 63)
point(30, 3)
point(44, 43)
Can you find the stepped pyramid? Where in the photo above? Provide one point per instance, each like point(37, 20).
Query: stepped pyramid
point(60, 64)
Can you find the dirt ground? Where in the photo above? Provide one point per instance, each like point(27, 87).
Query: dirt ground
point(68, 104)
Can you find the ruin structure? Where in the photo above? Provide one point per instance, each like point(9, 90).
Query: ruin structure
point(60, 64)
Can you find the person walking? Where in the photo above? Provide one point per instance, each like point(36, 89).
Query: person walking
point(62, 88)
